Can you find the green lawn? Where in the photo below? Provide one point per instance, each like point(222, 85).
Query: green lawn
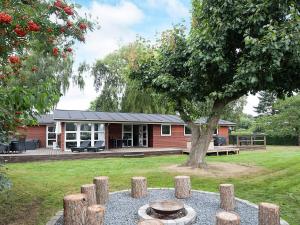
point(38, 188)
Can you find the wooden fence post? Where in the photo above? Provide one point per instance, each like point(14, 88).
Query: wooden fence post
point(227, 200)
point(95, 215)
point(102, 189)
point(269, 214)
point(75, 207)
point(182, 187)
point(90, 191)
point(138, 187)
point(226, 218)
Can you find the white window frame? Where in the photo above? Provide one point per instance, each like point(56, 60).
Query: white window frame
point(166, 135)
point(90, 132)
point(72, 132)
point(47, 137)
point(123, 132)
point(184, 130)
point(217, 131)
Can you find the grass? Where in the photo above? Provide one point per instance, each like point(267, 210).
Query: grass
point(38, 188)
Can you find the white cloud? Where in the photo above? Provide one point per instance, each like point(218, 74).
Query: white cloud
point(252, 101)
point(174, 8)
point(116, 23)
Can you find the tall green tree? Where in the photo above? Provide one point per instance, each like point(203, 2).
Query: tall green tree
point(265, 104)
point(36, 39)
point(233, 48)
point(118, 93)
point(285, 120)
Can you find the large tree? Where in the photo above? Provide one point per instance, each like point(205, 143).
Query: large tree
point(36, 39)
point(119, 93)
point(233, 48)
point(265, 104)
point(285, 120)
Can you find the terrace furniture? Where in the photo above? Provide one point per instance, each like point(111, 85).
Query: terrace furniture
point(18, 146)
point(83, 146)
point(219, 141)
point(4, 148)
point(32, 144)
point(99, 146)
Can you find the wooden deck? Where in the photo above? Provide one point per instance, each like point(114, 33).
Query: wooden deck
point(219, 149)
point(50, 154)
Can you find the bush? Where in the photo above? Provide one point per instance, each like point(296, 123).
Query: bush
point(282, 140)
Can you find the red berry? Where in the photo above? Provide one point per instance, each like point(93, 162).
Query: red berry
point(34, 69)
point(32, 26)
point(19, 31)
point(58, 4)
point(81, 38)
point(69, 10)
point(14, 59)
point(82, 26)
point(69, 49)
point(49, 30)
point(69, 23)
point(18, 113)
point(62, 29)
point(5, 18)
point(55, 51)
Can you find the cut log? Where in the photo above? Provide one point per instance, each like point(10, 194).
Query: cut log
point(75, 207)
point(102, 189)
point(269, 214)
point(227, 199)
point(182, 187)
point(150, 222)
point(138, 187)
point(95, 215)
point(227, 218)
point(90, 191)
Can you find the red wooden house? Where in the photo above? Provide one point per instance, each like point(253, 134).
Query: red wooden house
point(71, 127)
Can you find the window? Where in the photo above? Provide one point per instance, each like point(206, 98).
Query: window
point(71, 135)
point(51, 136)
point(128, 134)
point(85, 130)
point(99, 132)
point(165, 130)
point(187, 130)
point(216, 131)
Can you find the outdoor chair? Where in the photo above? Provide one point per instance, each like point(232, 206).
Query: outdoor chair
point(18, 146)
point(99, 146)
point(4, 148)
point(83, 146)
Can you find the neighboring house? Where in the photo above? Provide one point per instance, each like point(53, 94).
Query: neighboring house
point(115, 129)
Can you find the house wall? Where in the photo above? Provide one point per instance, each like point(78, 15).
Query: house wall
point(115, 132)
point(35, 132)
point(224, 132)
point(177, 138)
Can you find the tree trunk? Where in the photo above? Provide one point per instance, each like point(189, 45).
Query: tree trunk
point(182, 187)
point(299, 139)
point(202, 134)
point(102, 189)
point(75, 207)
point(269, 214)
point(138, 187)
point(95, 215)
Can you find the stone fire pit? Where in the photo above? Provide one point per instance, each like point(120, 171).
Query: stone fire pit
point(122, 209)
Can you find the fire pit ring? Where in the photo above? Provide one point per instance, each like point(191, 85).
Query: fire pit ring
point(188, 218)
point(166, 207)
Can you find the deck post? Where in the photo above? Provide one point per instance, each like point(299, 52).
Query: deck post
point(237, 140)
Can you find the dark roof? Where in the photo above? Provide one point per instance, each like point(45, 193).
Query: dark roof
point(45, 119)
point(77, 115)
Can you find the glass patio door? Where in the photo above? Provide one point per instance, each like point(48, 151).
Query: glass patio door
point(143, 135)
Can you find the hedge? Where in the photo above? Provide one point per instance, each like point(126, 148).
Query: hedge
point(282, 140)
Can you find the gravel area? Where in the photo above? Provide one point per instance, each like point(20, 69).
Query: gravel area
point(122, 209)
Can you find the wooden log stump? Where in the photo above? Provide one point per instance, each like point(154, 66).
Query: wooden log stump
point(75, 207)
point(227, 218)
point(90, 191)
point(150, 222)
point(269, 214)
point(102, 189)
point(182, 187)
point(138, 187)
point(227, 199)
point(95, 215)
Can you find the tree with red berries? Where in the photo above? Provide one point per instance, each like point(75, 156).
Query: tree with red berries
point(36, 39)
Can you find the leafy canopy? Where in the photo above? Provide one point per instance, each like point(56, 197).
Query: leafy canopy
point(233, 48)
point(36, 39)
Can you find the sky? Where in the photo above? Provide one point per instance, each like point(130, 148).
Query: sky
point(121, 21)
